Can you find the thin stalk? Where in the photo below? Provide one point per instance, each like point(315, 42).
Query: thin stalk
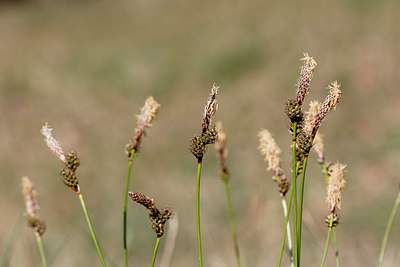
point(128, 175)
point(287, 221)
point(198, 213)
point(303, 176)
point(289, 235)
point(388, 228)
point(155, 252)
point(336, 247)
point(327, 240)
point(294, 182)
point(41, 249)
point(232, 223)
point(90, 227)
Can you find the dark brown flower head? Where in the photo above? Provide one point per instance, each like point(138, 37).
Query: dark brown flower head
point(335, 220)
point(31, 206)
point(157, 218)
point(208, 136)
point(293, 111)
point(157, 221)
point(306, 74)
point(304, 142)
point(70, 179)
point(72, 161)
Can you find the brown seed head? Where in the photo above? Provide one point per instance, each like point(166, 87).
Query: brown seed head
point(306, 74)
point(145, 201)
point(210, 108)
point(335, 186)
point(70, 179)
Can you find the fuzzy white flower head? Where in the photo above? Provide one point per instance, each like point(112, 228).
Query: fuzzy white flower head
point(269, 150)
point(148, 112)
point(52, 143)
point(335, 185)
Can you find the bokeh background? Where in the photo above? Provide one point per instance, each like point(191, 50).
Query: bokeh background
point(86, 67)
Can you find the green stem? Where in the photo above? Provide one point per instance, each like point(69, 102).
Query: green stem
point(128, 175)
point(303, 176)
point(327, 240)
point(336, 247)
point(90, 227)
point(285, 228)
point(198, 213)
point(41, 249)
point(388, 228)
point(289, 235)
point(155, 252)
point(232, 223)
point(294, 182)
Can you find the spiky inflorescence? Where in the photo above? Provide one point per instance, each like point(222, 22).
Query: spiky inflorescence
point(147, 114)
point(271, 153)
point(157, 218)
point(52, 143)
point(208, 136)
point(70, 179)
point(31, 207)
point(328, 105)
point(306, 74)
point(210, 108)
point(293, 111)
point(221, 151)
point(335, 186)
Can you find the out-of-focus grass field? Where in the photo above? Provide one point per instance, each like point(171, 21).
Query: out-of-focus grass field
point(87, 67)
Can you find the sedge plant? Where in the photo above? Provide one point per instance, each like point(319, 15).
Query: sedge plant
point(198, 146)
point(157, 218)
point(69, 177)
point(32, 217)
point(147, 114)
point(225, 177)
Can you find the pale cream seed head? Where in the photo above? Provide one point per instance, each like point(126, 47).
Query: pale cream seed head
point(52, 143)
point(148, 112)
point(311, 116)
point(30, 197)
point(269, 150)
point(335, 185)
point(220, 143)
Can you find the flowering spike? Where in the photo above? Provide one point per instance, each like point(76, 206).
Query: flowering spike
point(306, 74)
point(210, 108)
point(328, 105)
point(31, 207)
point(52, 143)
point(222, 152)
point(335, 186)
point(148, 113)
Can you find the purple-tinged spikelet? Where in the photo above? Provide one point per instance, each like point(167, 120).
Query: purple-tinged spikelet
point(31, 207)
point(306, 74)
point(148, 113)
point(157, 218)
point(52, 143)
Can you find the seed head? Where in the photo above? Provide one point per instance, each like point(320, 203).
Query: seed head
point(311, 116)
point(335, 186)
point(328, 105)
point(293, 111)
point(306, 74)
point(52, 143)
point(31, 207)
point(70, 179)
point(210, 108)
point(157, 218)
point(269, 150)
point(148, 113)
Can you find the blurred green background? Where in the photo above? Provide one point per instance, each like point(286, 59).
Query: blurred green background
point(86, 67)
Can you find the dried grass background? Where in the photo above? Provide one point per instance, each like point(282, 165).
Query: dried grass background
point(86, 67)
